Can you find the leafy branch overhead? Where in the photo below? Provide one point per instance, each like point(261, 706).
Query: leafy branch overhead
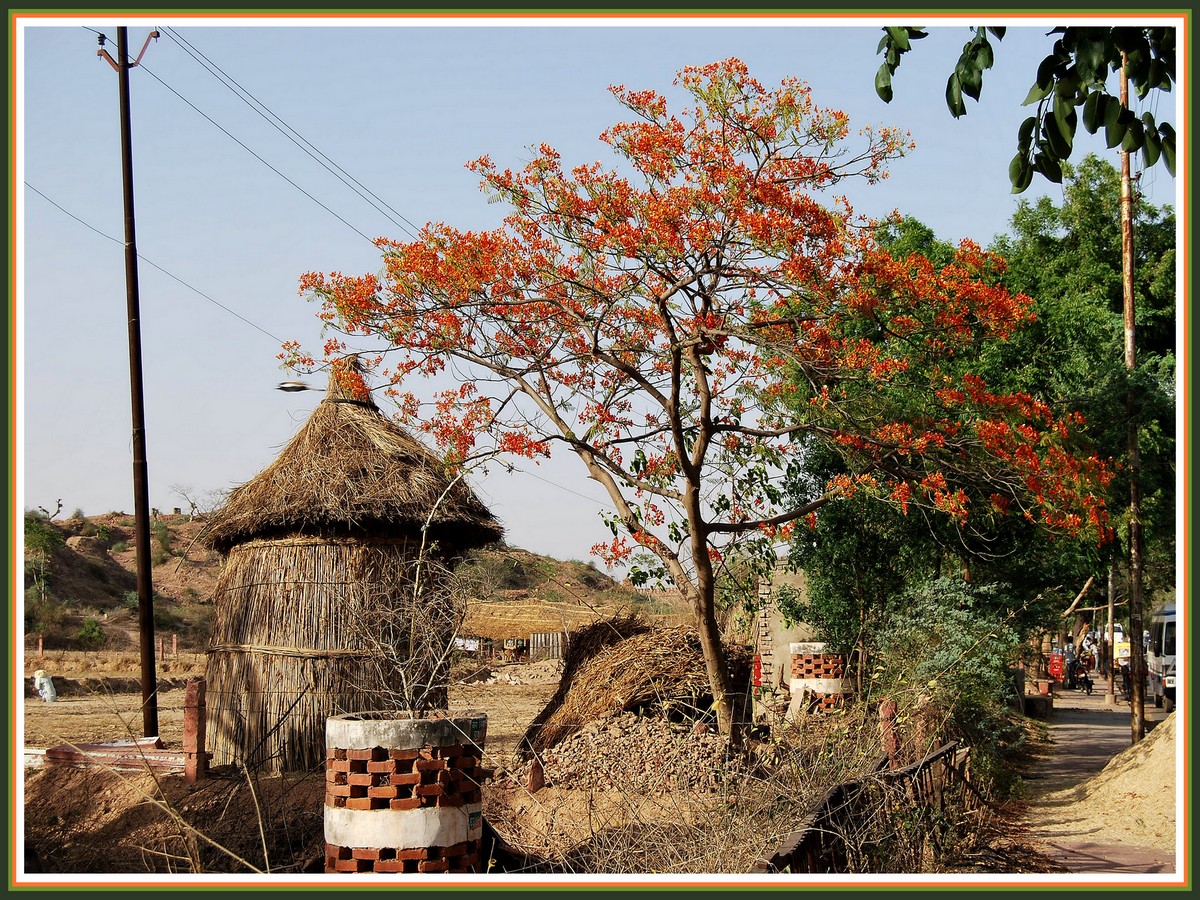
point(1070, 86)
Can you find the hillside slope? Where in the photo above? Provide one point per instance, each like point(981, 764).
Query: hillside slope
point(84, 568)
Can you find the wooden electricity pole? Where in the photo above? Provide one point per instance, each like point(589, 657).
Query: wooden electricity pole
point(1137, 660)
point(141, 498)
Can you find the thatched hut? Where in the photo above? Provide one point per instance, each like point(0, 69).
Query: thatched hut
point(333, 597)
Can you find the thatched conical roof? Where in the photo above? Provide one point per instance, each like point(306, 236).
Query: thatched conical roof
point(352, 471)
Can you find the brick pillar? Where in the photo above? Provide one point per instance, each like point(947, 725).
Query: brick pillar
point(817, 677)
point(195, 758)
point(766, 639)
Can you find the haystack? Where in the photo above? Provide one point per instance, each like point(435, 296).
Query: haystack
point(333, 597)
point(626, 664)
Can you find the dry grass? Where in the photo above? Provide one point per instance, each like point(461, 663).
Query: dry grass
point(310, 627)
point(501, 619)
point(685, 832)
point(335, 597)
point(77, 664)
point(626, 664)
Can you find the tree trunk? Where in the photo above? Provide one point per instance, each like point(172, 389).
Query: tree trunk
point(725, 699)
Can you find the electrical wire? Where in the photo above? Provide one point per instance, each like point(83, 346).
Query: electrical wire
point(599, 503)
point(237, 315)
point(155, 265)
point(294, 136)
point(255, 155)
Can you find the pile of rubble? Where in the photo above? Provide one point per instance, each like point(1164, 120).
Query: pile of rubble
point(547, 671)
point(629, 752)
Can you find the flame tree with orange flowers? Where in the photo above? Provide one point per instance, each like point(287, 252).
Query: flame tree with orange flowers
point(685, 321)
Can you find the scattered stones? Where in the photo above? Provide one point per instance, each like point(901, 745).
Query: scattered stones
point(544, 672)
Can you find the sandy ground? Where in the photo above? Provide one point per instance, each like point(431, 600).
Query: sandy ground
point(1098, 802)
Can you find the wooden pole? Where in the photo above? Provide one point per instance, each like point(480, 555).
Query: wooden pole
point(1137, 662)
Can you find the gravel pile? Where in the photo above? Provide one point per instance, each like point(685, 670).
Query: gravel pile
point(629, 752)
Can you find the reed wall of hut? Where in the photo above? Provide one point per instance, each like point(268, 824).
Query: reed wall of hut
point(311, 627)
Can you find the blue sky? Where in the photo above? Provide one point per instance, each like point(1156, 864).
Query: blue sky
point(401, 105)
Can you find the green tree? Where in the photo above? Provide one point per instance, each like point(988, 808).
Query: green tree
point(1071, 86)
point(1066, 256)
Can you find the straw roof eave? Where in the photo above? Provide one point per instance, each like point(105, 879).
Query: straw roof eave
point(351, 470)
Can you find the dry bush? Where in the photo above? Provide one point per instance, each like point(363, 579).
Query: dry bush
point(680, 830)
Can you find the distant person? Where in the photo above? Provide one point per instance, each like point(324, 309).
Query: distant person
point(44, 685)
point(1088, 650)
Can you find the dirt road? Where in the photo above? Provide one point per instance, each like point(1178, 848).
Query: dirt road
point(1096, 805)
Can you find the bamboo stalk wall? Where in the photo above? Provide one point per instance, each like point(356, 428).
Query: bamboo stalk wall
point(306, 628)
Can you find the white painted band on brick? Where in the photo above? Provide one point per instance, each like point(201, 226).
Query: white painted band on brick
point(809, 648)
point(397, 731)
point(819, 685)
point(404, 829)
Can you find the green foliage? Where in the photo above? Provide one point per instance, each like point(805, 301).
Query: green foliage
point(857, 558)
point(98, 570)
point(129, 601)
point(119, 547)
point(162, 536)
point(1068, 256)
point(101, 532)
point(43, 615)
point(78, 514)
point(1071, 80)
point(41, 536)
point(483, 573)
point(90, 636)
point(165, 618)
point(949, 655)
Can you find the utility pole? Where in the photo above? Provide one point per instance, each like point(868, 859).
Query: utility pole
point(141, 497)
point(1110, 693)
point(1137, 660)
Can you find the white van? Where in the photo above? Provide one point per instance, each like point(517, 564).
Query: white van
point(1160, 655)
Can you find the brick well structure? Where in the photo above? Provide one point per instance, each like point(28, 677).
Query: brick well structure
point(403, 794)
point(817, 678)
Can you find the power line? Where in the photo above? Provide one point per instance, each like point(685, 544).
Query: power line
point(255, 155)
point(155, 265)
point(283, 127)
point(196, 290)
point(294, 136)
point(599, 503)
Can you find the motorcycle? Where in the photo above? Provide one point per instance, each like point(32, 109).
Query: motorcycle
point(1078, 677)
